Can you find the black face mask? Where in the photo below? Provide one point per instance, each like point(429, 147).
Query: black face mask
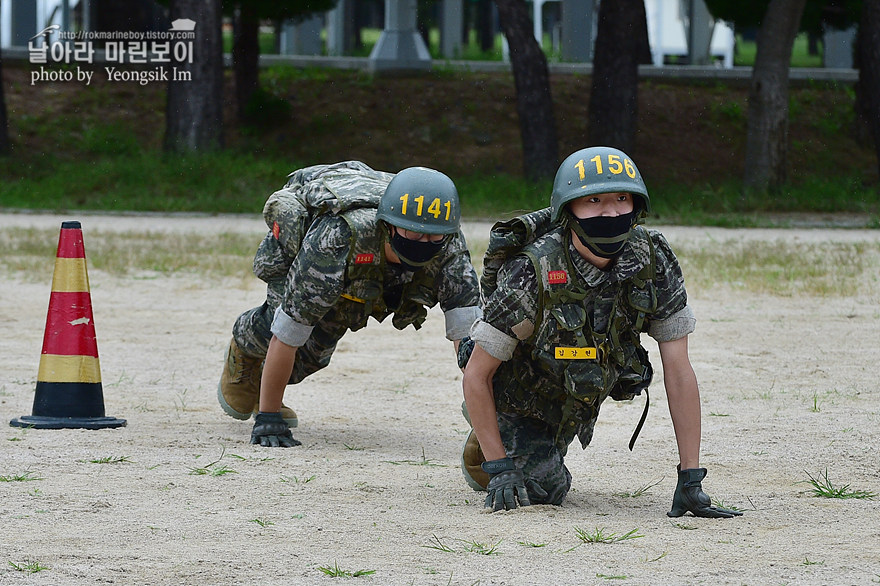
point(604, 236)
point(414, 254)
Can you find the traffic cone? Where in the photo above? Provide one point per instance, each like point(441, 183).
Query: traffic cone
point(69, 392)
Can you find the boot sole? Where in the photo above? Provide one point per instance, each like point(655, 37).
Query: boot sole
point(229, 410)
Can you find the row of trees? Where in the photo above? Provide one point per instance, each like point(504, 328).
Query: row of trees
point(194, 119)
point(621, 41)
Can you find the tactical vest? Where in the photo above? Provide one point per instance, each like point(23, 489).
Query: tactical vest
point(585, 346)
point(363, 293)
point(350, 190)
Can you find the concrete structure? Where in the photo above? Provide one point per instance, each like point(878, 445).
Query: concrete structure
point(303, 38)
point(839, 46)
point(400, 46)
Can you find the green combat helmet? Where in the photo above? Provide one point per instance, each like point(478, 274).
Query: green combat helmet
point(421, 200)
point(597, 170)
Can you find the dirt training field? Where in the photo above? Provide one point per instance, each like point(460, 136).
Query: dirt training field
point(178, 496)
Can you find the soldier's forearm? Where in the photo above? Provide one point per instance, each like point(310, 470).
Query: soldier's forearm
point(276, 374)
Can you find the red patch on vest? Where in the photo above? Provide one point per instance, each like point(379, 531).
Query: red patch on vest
point(557, 277)
point(276, 230)
point(363, 259)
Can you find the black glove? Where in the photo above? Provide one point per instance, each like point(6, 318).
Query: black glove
point(271, 431)
point(506, 485)
point(689, 496)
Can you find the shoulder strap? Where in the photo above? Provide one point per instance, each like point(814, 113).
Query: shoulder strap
point(509, 238)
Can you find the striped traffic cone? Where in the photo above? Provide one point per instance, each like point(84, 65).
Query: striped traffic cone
point(69, 392)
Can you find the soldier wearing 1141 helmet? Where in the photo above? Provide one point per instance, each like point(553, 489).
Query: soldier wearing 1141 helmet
point(567, 292)
point(346, 243)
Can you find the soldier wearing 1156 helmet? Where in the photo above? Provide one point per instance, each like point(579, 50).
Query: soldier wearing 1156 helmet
point(332, 259)
point(567, 291)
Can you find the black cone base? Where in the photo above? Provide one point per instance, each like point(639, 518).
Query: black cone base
point(41, 422)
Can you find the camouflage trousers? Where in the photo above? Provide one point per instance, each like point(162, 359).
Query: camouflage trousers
point(532, 445)
point(253, 330)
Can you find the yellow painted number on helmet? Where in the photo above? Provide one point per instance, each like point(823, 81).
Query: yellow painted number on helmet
point(615, 166)
point(435, 208)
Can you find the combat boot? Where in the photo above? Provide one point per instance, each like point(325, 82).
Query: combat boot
point(471, 458)
point(239, 389)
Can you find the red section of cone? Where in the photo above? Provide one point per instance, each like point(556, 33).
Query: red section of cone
point(70, 327)
point(70, 243)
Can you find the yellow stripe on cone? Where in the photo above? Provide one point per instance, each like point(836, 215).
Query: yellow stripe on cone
point(70, 275)
point(62, 369)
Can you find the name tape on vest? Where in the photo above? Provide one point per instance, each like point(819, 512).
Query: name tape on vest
point(569, 353)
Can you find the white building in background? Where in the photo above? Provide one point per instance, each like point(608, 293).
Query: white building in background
point(669, 27)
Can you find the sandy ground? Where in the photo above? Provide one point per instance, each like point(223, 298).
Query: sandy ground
point(789, 389)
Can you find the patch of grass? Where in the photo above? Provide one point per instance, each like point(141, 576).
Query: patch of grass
point(336, 572)
point(480, 547)
point(109, 460)
point(600, 535)
point(262, 522)
point(32, 253)
point(782, 267)
point(721, 505)
point(422, 462)
point(24, 477)
point(28, 567)
point(639, 491)
point(816, 406)
point(823, 487)
point(147, 180)
point(437, 544)
point(213, 468)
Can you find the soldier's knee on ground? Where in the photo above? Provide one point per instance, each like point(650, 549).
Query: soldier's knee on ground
point(471, 458)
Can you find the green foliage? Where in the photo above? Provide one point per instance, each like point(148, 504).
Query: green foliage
point(25, 477)
point(264, 109)
point(336, 572)
point(28, 567)
point(823, 487)
point(600, 535)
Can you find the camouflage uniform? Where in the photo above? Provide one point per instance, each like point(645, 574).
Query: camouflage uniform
point(336, 278)
point(548, 297)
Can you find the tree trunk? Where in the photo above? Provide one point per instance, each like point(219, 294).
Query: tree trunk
point(245, 56)
point(868, 86)
point(767, 127)
point(5, 146)
point(485, 26)
point(194, 109)
point(534, 102)
point(613, 110)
